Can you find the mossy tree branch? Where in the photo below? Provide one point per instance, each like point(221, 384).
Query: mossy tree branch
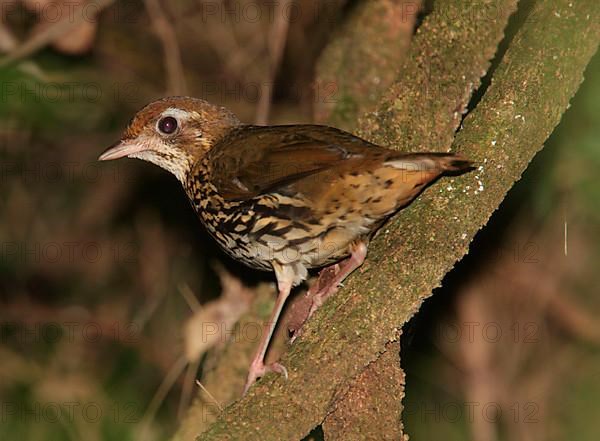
point(530, 90)
point(363, 59)
point(372, 408)
point(425, 68)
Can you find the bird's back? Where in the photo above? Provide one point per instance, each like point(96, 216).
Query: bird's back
point(304, 193)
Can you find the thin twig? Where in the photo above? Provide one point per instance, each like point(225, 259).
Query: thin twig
point(176, 84)
point(56, 30)
point(479, 384)
point(186, 391)
point(188, 295)
point(159, 397)
point(213, 399)
point(8, 43)
point(277, 42)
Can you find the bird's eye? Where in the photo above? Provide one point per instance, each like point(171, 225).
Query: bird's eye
point(167, 125)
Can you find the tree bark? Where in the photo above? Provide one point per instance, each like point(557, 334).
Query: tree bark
point(372, 408)
point(362, 60)
point(530, 90)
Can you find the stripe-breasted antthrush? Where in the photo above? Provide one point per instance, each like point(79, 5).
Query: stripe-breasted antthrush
point(283, 198)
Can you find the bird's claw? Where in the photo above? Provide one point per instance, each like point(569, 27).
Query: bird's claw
point(258, 370)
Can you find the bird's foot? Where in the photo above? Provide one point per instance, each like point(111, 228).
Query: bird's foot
point(316, 299)
point(259, 369)
point(329, 281)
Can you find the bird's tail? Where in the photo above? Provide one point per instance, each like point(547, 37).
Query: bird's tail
point(436, 163)
point(452, 163)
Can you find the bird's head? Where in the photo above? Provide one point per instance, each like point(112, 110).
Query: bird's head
point(173, 133)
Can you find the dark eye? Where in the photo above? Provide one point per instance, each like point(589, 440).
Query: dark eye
point(167, 125)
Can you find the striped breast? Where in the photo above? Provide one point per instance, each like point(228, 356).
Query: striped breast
point(256, 231)
point(312, 222)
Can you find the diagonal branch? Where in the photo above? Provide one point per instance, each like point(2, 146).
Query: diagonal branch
point(421, 68)
point(531, 88)
point(363, 60)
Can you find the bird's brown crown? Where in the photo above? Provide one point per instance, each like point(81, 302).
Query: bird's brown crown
point(208, 121)
point(174, 133)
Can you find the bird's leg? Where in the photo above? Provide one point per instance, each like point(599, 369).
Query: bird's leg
point(330, 278)
point(329, 285)
point(258, 367)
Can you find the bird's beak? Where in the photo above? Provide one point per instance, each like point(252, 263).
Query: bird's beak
point(121, 149)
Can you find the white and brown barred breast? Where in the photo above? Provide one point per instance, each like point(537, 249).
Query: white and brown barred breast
point(304, 231)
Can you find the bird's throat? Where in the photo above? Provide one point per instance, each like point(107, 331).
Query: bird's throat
point(176, 162)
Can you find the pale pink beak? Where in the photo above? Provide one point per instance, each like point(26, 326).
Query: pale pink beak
point(121, 149)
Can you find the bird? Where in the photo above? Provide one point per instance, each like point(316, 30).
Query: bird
point(282, 198)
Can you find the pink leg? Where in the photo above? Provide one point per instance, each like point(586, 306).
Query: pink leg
point(258, 368)
point(330, 278)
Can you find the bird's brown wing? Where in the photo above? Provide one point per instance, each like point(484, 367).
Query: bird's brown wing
point(255, 160)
